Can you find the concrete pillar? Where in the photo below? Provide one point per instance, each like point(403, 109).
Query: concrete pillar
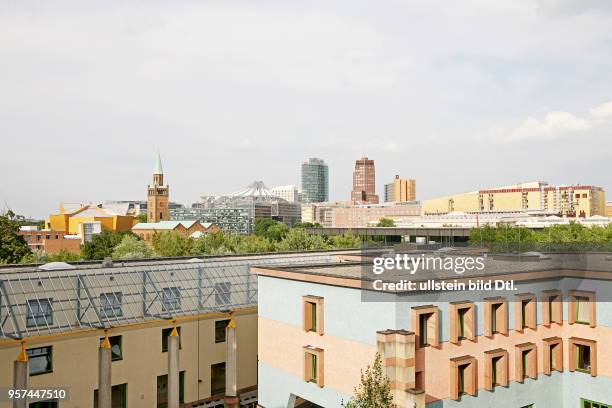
point(173, 368)
point(105, 388)
point(21, 376)
point(231, 387)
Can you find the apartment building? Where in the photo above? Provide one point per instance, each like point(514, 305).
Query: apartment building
point(544, 344)
point(62, 311)
point(49, 241)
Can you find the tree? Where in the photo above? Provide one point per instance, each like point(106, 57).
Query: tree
point(261, 226)
point(254, 244)
point(270, 229)
point(172, 243)
point(63, 256)
point(13, 247)
point(142, 217)
point(374, 390)
point(298, 239)
point(347, 240)
point(131, 247)
point(385, 222)
point(102, 244)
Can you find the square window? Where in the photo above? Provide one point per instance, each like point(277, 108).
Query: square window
point(165, 333)
point(220, 326)
point(41, 360)
point(39, 313)
point(110, 304)
point(223, 293)
point(171, 298)
point(116, 351)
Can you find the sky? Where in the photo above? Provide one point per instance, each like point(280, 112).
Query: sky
point(458, 95)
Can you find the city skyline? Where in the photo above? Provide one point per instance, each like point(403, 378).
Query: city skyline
point(523, 94)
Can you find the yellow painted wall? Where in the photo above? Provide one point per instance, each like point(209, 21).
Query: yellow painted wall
point(75, 360)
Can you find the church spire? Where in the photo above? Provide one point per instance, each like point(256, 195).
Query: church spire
point(158, 165)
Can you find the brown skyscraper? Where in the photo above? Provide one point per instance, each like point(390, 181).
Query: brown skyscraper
point(364, 182)
point(158, 196)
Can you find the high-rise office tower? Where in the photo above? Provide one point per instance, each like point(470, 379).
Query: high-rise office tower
point(364, 182)
point(400, 190)
point(315, 181)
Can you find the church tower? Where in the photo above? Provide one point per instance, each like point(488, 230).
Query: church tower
point(158, 198)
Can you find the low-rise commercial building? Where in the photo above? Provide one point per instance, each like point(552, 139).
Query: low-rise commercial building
point(540, 343)
point(50, 242)
point(193, 228)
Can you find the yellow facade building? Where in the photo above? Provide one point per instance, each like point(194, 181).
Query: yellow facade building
point(72, 218)
point(567, 200)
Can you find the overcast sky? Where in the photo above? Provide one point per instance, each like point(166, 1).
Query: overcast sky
point(460, 95)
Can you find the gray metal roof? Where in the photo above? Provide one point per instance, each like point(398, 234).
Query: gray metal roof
point(37, 302)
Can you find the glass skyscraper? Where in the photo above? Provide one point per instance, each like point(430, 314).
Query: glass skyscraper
point(315, 181)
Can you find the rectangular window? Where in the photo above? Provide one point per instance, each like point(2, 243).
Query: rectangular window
point(582, 310)
point(115, 342)
point(313, 313)
point(583, 358)
point(41, 360)
point(423, 338)
point(462, 317)
point(162, 390)
point(592, 404)
point(553, 354)
point(118, 396)
point(171, 298)
point(110, 304)
point(313, 365)
point(496, 365)
point(43, 404)
point(165, 333)
point(461, 378)
point(217, 379)
point(222, 293)
point(526, 361)
point(494, 312)
point(220, 326)
point(525, 312)
point(39, 313)
point(582, 307)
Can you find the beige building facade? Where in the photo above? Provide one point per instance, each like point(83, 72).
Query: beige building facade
point(571, 201)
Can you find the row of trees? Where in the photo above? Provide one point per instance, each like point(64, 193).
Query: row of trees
point(268, 236)
point(567, 237)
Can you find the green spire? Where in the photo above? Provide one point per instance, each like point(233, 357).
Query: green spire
point(158, 165)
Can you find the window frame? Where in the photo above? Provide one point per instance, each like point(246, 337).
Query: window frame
point(164, 344)
point(111, 339)
point(33, 319)
point(574, 307)
point(313, 320)
point(462, 329)
point(463, 381)
point(552, 307)
point(432, 336)
point(313, 355)
point(573, 343)
point(490, 376)
point(500, 316)
point(171, 298)
point(218, 328)
point(115, 310)
point(525, 317)
point(523, 368)
point(552, 358)
point(48, 355)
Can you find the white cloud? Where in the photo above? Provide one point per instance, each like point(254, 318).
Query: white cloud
point(558, 124)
